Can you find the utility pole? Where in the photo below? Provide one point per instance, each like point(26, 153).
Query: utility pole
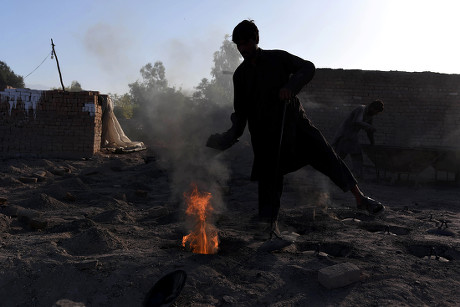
point(59, 70)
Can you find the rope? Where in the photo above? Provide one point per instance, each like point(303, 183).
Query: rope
point(38, 65)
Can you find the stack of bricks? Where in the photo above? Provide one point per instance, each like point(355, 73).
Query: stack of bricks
point(51, 124)
point(421, 109)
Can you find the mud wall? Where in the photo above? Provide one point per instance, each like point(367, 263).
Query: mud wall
point(421, 109)
point(49, 124)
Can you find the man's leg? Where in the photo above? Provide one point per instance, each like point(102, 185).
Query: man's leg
point(323, 158)
point(340, 175)
point(270, 190)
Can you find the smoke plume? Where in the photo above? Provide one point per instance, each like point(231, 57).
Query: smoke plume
point(177, 131)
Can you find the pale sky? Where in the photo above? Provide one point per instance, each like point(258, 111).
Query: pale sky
point(104, 43)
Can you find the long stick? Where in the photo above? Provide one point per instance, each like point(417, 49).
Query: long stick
point(278, 159)
point(59, 70)
point(283, 117)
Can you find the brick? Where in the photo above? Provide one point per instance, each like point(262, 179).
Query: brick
point(339, 275)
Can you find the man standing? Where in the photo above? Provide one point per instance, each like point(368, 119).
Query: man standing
point(283, 138)
point(346, 141)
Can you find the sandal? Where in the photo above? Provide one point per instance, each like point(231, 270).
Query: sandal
point(371, 205)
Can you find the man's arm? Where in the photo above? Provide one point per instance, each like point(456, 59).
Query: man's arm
point(358, 120)
point(223, 141)
point(370, 132)
point(302, 73)
point(364, 125)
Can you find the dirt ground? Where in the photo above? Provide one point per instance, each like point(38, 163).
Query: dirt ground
point(102, 231)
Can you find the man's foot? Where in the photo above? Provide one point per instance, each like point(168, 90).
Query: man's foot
point(276, 243)
point(371, 205)
point(267, 230)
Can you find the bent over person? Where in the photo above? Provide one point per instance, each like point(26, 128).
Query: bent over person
point(283, 138)
point(346, 141)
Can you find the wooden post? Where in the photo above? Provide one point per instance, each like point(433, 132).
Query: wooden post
point(59, 70)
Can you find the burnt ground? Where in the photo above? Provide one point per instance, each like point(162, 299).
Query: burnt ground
point(102, 231)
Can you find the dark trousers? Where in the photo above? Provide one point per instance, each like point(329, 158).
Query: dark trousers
point(318, 153)
point(270, 190)
point(315, 151)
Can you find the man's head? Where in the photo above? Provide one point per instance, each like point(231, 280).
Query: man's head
point(246, 37)
point(375, 107)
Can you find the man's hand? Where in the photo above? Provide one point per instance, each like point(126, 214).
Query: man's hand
point(221, 141)
point(285, 94)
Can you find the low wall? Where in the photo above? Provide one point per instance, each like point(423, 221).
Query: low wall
point(52, 124)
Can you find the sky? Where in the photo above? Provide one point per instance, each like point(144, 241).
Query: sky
point(103, 44)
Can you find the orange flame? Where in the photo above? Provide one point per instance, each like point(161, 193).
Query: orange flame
point(203, 239)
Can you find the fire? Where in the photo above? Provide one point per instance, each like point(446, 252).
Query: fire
point(203, 239)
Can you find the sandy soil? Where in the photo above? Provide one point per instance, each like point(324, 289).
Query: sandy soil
point(102, 231)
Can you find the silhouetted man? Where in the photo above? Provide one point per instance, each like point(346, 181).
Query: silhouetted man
point(346, 141)
point(283, 138)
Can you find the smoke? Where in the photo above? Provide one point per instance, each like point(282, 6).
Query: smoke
point(179, 60)
point(188, 60)
point(177, 132)
point(109, 45)
point(313, 189)
point(173, 126)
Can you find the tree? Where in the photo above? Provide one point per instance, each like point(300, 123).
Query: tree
point(202, 91)
point(123, 105)
point(153, 82)
point(8, 77)
point(219, 89)
point(162, 114)
point(152, 96)
point(74, 87)
point(152, 92)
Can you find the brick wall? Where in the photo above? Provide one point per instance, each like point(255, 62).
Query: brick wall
point(421, 109)
point(49, 123)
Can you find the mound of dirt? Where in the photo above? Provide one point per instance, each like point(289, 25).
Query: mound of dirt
point(115, 216)
point(44, 202)
point(95, 240)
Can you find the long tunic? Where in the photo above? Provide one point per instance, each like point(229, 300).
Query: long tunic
point(256, 101)
point(257, 104)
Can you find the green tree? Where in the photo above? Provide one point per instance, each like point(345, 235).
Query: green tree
point(153, 81)
point(156, 106)
point(123, 105)
point(75, 86)
point(202, 91)
point(219, 89)
point(8, 77)
point(153, 90)
point(145, 91)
